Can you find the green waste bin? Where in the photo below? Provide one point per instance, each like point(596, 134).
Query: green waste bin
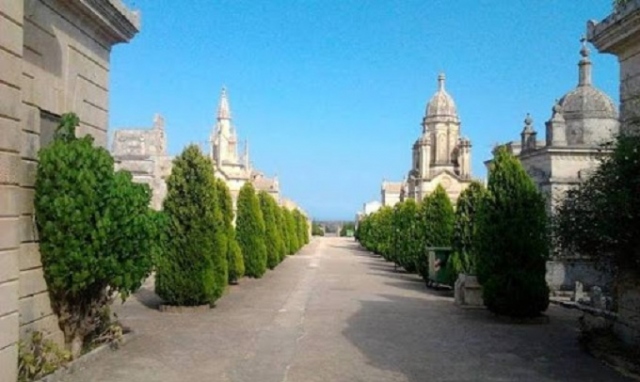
point(438, 257)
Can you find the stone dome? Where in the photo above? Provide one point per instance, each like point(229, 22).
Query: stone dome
point(591, 115)
point(441, 104)
point(587, 101)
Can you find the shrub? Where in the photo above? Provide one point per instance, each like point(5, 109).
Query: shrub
point(437, 223)
point(38, 357)
point(97, 233)
point(250, 230)
point(463, 257)
point(301, 227)
point(235, 262)
point(408, 241)
point(601, 217)
point(283, 225)
point(316, 229)
point(347, 228)
point(512, 241)
point(292, 232)
point(193, 269)
point(273, 241)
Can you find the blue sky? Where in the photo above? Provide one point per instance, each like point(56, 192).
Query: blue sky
point(331, 93)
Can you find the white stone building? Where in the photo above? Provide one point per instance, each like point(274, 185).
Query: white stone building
point(143, 152)
point(440, 156)
point(581, 121)
point(230, 166)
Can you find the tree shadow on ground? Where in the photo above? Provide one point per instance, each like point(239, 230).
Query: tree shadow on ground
point(148, 298)
point(427, 339)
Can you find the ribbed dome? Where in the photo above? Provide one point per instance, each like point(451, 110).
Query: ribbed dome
point(587, 102)
point(441, 104)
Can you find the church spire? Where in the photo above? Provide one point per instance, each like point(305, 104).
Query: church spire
point(584, 65)
point(224, 111)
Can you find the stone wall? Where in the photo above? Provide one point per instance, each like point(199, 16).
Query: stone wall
point(619, 34)
point(54, 57)
point(143, 152)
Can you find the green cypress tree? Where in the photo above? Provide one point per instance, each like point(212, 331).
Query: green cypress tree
point(193, 270)
point(437, 219)
point(407, 241)
point(272, 238)
point(284, 229)
point(512, 241)
point(282, 234)
point(294, 243)
point(463, 258)
point(235, 262)
point(300, 227)
point(250, 230)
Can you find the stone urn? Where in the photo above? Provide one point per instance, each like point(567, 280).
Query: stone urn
point(467, 291)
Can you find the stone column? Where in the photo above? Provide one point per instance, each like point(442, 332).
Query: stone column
point(11, 42)
point(619, 34)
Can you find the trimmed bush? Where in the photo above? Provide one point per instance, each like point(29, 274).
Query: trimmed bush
point(283, 225)
point(273, 241)
point(316, 229)
point(235, 262)
point(292, 232)
point(193, 270)
point(463, 258)
point(97, 233)
point(512, 241)
point(301, 228)
point(408, 241)
point(250, 230)
point(437, 222)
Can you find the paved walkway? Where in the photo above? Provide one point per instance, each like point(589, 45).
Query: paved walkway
point(337, 313)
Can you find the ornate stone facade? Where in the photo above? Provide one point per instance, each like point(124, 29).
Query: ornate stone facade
point(143, 152)
point(55, 58)
point(441, 156)
point(231, 167)
point(580, 122)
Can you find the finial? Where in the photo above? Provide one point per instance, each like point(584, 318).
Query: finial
point(528, 121)
point(584, 52)
point(224, 111)
point(441, 79)
point(557, 108)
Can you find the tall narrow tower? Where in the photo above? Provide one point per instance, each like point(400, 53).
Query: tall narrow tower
point(224, 148)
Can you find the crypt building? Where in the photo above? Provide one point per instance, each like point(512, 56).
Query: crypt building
point(440, 156)
point(581, 121)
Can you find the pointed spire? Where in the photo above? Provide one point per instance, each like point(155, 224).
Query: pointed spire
point(224, 111)
point(584, 64)
point(441, 80)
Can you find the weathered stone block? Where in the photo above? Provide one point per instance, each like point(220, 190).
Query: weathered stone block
point(8, 265)
point(30, 145)
point(8, 297)
point(34, 308)
point(9, 201)
point(630, 88)
point(8, 329)
point(11, 68)
point(27, 230)
point(47, 325)
point(29, 171)
point(9, 232)
point(29, 256)
point(11, 36)
point(15, 10)
point(629, 66)
point(30, 114)
point(24, 201)
point(8, 361)
point(9, 133)
point(10, 165)
point(11, 101)
point(32, 282)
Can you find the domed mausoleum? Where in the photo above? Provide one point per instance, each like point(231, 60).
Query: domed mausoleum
point(581, 121)
point(439, 156)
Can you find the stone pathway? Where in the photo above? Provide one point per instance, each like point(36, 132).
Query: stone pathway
point(337, 313)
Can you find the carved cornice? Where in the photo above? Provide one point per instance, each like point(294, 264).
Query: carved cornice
point(111, 17)
point(618, 31)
